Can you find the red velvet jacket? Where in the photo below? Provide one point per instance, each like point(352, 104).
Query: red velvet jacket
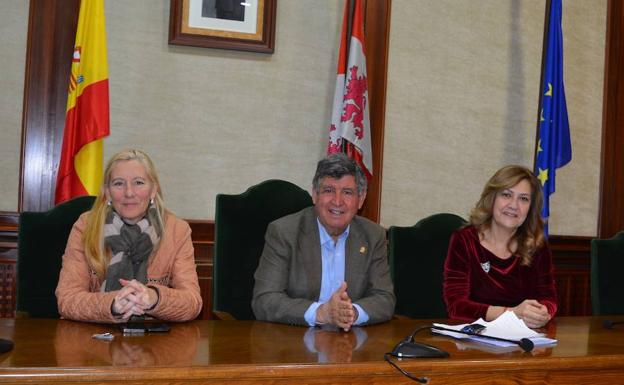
point(469, 289)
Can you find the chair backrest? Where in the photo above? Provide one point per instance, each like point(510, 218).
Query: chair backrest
point(417, 255)
point(240, 223)
point(607, 286)
point(41, 244)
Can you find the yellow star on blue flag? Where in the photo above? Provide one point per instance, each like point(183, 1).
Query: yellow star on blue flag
point(542, 175)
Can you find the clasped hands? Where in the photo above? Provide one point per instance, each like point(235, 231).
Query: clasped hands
point(134, 298)
point(533, 313)
point(338, 311)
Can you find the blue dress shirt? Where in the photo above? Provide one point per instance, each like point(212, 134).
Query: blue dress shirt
point(332, 273)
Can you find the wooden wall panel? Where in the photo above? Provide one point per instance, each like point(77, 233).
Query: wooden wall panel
point(51, 35)
point(611, 212)
point(571, 256)
point(377, 31)
point(203, 243)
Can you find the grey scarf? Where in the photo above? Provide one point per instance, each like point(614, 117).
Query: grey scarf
point(131, 246)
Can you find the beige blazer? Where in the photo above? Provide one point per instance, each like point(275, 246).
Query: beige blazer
point(171, 269)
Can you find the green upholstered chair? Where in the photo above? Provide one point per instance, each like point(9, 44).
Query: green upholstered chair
point(240, 223)
point(607, 286)
point(41, 244)
point(417, 255)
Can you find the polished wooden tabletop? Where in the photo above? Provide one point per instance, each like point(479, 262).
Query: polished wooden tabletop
point(259, 352)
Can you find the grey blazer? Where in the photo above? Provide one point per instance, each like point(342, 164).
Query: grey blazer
point(288, 277)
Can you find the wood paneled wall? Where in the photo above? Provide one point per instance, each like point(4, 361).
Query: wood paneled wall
point(50, 45)
point(203, 243)
point(611, 213)
point(571, 259)
point(377, 30)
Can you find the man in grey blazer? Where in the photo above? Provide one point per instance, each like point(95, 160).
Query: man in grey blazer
point(325, 264)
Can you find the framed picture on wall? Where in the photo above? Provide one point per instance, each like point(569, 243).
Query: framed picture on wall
point(245, 25)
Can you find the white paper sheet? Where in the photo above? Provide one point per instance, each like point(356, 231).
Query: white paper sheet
point(507, 326)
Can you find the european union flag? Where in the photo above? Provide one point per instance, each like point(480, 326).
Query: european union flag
point(554, 149)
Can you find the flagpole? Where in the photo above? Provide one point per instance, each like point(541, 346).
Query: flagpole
point(541, 82)
point(350, 23)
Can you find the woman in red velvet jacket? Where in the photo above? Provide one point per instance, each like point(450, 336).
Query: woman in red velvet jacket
point(501, 260)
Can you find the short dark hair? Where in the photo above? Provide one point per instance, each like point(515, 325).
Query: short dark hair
point(336, 166)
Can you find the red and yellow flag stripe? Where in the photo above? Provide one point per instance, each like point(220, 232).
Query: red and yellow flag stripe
point(87, 117)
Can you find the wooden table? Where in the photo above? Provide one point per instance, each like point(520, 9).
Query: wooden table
point(244, 352)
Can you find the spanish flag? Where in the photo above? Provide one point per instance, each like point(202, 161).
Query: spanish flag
point(87, 117)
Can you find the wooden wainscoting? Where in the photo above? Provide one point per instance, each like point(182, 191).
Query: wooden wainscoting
point(571, 257)
point(203, 243)
point(8, 259)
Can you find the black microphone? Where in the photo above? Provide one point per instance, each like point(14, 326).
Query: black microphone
point(608, 324)
point(5, 345)
point(476, 329)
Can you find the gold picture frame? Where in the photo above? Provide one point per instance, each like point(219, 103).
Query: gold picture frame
point(250, 28)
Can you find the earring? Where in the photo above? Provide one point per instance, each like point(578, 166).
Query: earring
point(152, 201)
point(108, 203)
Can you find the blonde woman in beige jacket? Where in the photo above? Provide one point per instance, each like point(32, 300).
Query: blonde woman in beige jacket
point(128, 256)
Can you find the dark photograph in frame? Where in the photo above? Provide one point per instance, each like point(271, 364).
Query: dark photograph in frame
point(245, 25)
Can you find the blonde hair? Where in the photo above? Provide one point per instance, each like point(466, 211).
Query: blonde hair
point(93, 236)
point(530, 235)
